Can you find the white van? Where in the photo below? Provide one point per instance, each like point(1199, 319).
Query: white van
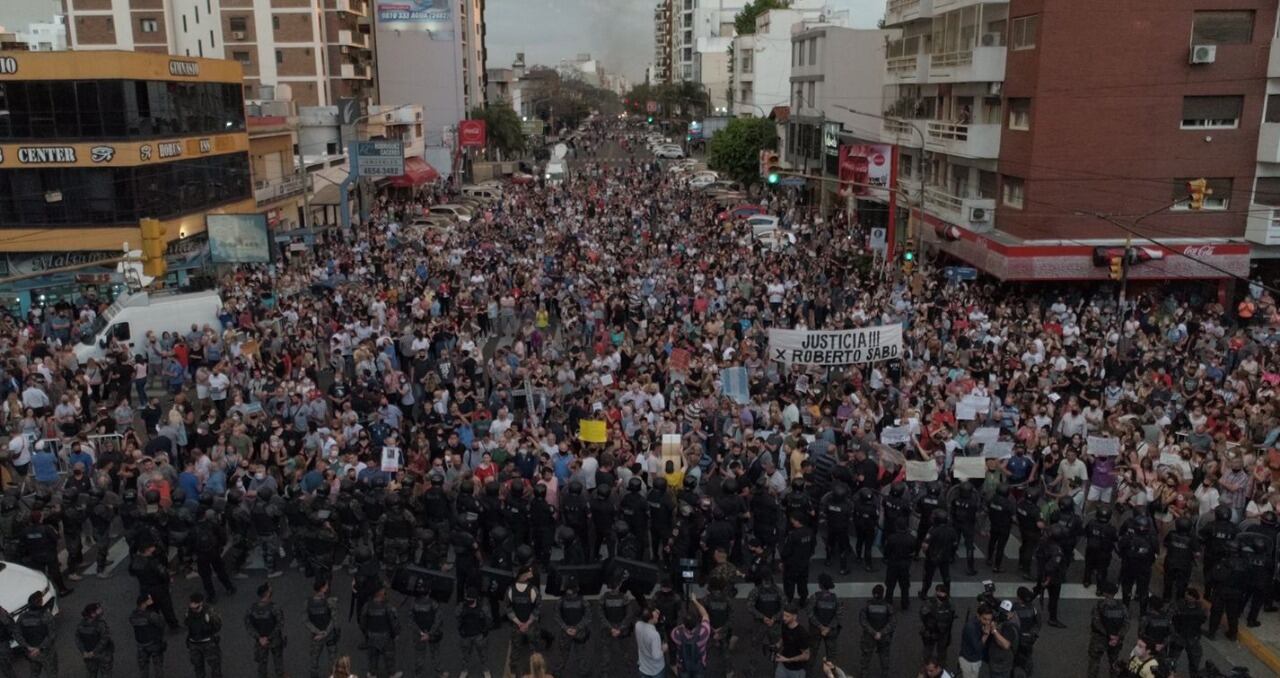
point(133, 315)
point(761, 224)
point(556, 171)
point(483, 192)
point(454, 211)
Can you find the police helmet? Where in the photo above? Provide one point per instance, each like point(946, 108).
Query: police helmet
point(634, 484)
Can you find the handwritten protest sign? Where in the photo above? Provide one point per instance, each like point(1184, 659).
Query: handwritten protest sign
point(997, 450)
point(679, 360)
point(984, 435)
point(965, 412)
point(969, 468)
point(1100, 446)
point(921, 471)
point(592, 431)
point(895, 435)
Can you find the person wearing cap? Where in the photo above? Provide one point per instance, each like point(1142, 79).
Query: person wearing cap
point(1002, 642)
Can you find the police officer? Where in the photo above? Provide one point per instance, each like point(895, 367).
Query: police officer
point(204, 637)
point(766, 514)
point(473, 632)
point(1028, 630)
point(1107, 629)
point(615, 609)
point(719, 606)
point(1030, 527)
point(662, 509)
point(320, 543)
point(152, 574)
point(899, 547)
point(381, 625)
point(634, 508)
point(322, 626)
point(866, 517)
point(267, 515)
point(209, 537)
point(148, 632)
point(575, 511)
point(878, 624)
point(1156, 626)
point(1181, 545)
point(895, 505)
point(1188, 622)
point(939, 550)
point(93, 642)
point(964, 514)
point(937, 618)
point(1138, 552)
point(1229, 578)
point(1100, 538)
point(265, 623)
point(825, 620)
point(1258, 551)
point(427, 618)
point(765, 603)
point(524, 603)
point(515, 511)
point(397, 525)
point(101, 515)
point(838, 511)
point(40, 546)
point(1000, 514)
point(1051, 572)
point(35, 637)
point(1216, 535)
point(240, 528)
point(542, 518)
point(797, 550)
point(573, 615)
point(72, 516)
point(800, 505)
point(927, 508)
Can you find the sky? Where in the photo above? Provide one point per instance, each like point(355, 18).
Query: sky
point(617, 32)
point(16, 14)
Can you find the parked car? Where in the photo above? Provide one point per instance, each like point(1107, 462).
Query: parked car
point(763, 223)
point(521, 178)
point(670, 151)
point(456, 211)
point(701, 180)
point(742, 212)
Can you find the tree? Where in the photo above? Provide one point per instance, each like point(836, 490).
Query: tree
point(735, 150)
point(503, 129)
point(744, 22)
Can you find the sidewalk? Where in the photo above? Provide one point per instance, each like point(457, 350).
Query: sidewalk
point(1263, 642)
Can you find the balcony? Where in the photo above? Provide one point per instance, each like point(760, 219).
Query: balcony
point(1269, 142)
point(353, 39)
point(980, 64)
point(907, 69)
point(1263, 225)
point(969, 141)
point(940, 6)
point(354, 72)
point(266, 192)
point(1273, 66)
point(904, 11)
point(975, 214)
point(356, 7)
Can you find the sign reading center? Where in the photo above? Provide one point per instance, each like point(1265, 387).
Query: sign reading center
point(834, 348)
point(380, 158)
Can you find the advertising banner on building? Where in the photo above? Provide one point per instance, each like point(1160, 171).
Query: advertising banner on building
point(380, 158)
point(868, 169)
point(836, 348)
point(472, 133)
point(238, 238)
point(434, 17)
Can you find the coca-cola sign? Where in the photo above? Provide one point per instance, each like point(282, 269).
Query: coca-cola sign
point(1199, 250)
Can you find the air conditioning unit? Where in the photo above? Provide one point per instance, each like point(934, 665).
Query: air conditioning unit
point(979, 215)
point(238, 35)
point(1204, 54)
point(995, 88)
point(990, 39)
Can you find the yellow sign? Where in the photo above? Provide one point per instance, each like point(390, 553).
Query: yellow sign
point(592, 431)
point(119, 154)
point(113, 65)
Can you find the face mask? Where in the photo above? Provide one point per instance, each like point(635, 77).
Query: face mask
point(260, 476)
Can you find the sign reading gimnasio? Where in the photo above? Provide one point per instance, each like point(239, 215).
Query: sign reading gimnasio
point(830, 348)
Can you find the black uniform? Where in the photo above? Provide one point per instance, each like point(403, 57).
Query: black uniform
point(1000, 515)
point(899, 547)
point(1029, 530)
point(964, 514)
point(36, 634)
point(826, 614)
point(473, 634)
point(1100, 538)
point(265, 623)
point(940, 550)
point(1229, 578)
point(797, 550)
point(1106, 633)
point(615, 609)
point(1188, 624)
point(866, 517)
point(876, 619)
point(148, 633)
point(1137, 555)
point(209, 538)
point(153, 580)
point(1028, 633)
point(94, 643)
point(765, 603)
point(573, 616)
point(937, 619)
point(1180, 549)
point(839, 513)
point(1216, 536)
point(204, 641)
point(719, 605)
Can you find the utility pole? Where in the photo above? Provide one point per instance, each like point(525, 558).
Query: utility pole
point(1125, 258)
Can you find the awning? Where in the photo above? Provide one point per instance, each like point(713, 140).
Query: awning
point(416, 173)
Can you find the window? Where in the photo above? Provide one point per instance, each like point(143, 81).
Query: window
point(1024, 32)
point(1217, 196)
point(813, 52)
point(238, 24)
point(1214, 112)
point(1020, 114)
point(197, 11)
point(1014, 192)
point(1273, 108)
point(279, 56)
point(795, 54)
point(800, 53)
point(746, 63)
point(148, 25)
point(212, 45)
point(1267, 191)
point(242, 57)
point(275, 21)
point(811, 98)
point(184, 28)
point(1222, 28)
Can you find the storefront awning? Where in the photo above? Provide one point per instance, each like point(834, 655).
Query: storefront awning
point(416, 173)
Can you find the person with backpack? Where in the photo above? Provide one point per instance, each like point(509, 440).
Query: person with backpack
point(690, 639)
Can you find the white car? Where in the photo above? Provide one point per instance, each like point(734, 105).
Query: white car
point(702, 180)
point(762, 223)
point(18, 582)
point(458, 212)
point(669, 152)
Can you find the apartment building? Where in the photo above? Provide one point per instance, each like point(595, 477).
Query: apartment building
point(1019, 122)
point(762, 62)
point(321, 49)
point(662, 42)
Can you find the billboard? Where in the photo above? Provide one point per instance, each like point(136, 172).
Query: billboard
point(471, 133)
point(434, 17)
point(238, 238)
point(868, 168)
point(380, 158)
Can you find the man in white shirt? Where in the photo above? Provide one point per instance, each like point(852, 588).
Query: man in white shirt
point(651, 651)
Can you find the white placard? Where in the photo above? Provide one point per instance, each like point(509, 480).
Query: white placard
point(1171, 460)
point(977, 402)
point(969, 468)
point(965, 412)
point(838, 347)
point(391, 457)
point(921, 471)
point(895, 435)
point(997, 450)
point(984, 435)
point(1099, 446)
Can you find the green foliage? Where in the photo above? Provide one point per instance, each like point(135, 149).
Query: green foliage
point(735, 150)
point(744, 22)
point(675, 100)
point(503, 129)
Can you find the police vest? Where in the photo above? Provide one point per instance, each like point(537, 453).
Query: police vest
point(263, 522)
point(1097, 537)
point(1113, 616)
point(769, 602)
point(1027, 618)
point(34, 629)
point(927, 506)
point(397, 527)
point(89, 635)
point(1179, 553)
point(943, 617)
point(1221, 534)
point(614, 609)
point(1159, 628)
point(319, 613)
point(718, 611)
point(825, 607)
point(1139, 549)
point(144, 631)
point(572, 610)
point(522, 603)
point(424, 614)
point(868, 512)
point(378, 619)
point(263, 620)
point(470, 622)
point(878, 614)
point(200, 627)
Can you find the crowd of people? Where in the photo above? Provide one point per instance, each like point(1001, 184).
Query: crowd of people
point(411, 403)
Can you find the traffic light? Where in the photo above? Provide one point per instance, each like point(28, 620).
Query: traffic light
point(909, 250)
point(651, 120)
point(1197, 189)
point(1117, 268)
point(769, 166)
point(153, 247)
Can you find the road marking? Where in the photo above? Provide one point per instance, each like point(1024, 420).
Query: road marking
point(116, 554)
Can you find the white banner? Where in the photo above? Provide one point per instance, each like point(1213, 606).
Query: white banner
point(839, 347)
